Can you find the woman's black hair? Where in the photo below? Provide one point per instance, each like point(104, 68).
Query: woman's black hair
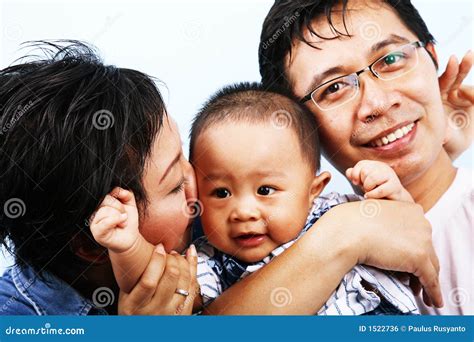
point(71, 129)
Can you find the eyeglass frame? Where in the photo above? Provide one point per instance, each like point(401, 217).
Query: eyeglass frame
point(309, 96)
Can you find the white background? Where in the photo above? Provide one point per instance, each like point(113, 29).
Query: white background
point(194, 47)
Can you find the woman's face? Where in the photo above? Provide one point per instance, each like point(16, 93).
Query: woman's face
point(169, 184)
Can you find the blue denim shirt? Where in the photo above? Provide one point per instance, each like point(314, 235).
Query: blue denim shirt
point(22, 292)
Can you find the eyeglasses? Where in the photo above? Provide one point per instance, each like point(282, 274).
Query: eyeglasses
point(339, 91)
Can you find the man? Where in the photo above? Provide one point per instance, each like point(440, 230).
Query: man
point(367, 71)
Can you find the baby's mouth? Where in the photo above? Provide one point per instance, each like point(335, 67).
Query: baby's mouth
point(251, 239)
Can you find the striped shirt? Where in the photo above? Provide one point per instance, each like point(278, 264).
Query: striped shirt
point(217, 271)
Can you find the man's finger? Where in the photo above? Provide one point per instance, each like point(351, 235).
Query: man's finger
point(430, 282)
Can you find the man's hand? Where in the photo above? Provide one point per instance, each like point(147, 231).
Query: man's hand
point(458, 103)
point(390, 235)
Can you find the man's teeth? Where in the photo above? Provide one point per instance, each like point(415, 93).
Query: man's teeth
point(391, 137)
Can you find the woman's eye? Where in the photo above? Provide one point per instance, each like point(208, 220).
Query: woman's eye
point(221, 193)
point(265, 190)
point(178, 188)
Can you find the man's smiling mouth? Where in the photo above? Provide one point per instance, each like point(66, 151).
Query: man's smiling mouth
point(391, 135)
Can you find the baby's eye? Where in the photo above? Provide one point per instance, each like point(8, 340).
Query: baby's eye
point(265, 190)
point(221, 193)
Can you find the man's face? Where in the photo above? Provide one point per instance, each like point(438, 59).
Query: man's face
point(349, 133)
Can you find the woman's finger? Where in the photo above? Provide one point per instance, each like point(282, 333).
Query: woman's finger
point(168, 282)
point(191, 257)
point(147, 286)
point(184, 283)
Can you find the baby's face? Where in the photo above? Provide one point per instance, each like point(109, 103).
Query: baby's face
point(254, 185)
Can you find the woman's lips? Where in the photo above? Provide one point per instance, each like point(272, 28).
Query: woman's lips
point(250, 240)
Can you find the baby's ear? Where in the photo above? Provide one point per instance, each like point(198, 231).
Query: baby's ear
point(317, 186)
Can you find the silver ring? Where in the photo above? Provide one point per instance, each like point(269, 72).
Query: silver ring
point(182, 292)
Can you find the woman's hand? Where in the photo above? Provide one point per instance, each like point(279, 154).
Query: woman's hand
point(394, 236)
point(155, 293)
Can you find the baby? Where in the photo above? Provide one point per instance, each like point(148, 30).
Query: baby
point(256, 157)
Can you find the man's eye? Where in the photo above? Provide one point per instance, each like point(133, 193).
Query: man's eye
point(221, 193)
point(265, 190)
point(393, 58)
point(334, 88)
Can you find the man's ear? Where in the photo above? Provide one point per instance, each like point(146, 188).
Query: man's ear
point(86, 248)
point(317, 186)
point(432, 51)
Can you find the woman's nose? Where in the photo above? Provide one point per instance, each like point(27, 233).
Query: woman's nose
point(190, 188)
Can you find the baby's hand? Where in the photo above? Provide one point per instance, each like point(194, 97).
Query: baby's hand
point(378, 180)
point(115, 224)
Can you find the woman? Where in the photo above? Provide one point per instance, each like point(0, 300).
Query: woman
point(73, 129)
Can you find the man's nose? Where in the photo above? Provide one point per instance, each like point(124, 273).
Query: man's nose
point(376, 98)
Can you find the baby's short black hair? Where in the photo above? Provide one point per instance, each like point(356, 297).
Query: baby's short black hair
point(251, 102)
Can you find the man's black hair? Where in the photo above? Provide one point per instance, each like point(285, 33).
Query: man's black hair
point(287, 20)
point(71, 129)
